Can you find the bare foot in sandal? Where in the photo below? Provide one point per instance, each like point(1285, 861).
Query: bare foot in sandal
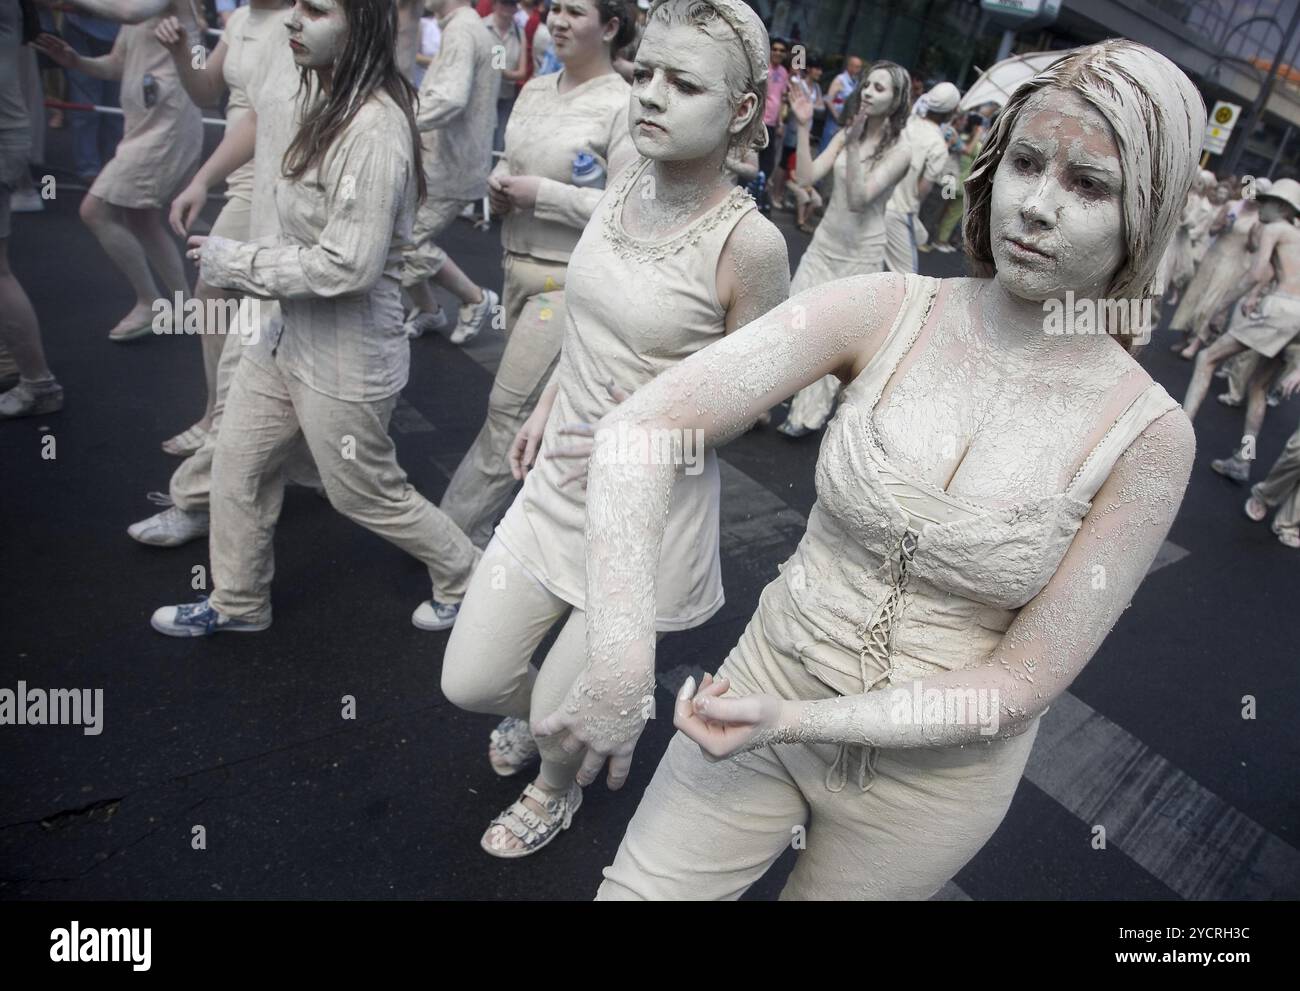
point(1256, 510)
point(137, 323)
point(533, 821)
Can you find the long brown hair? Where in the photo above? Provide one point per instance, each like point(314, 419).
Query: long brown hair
point(368, 65)
point(899, 108)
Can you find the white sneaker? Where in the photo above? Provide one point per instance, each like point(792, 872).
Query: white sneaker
point(434, 615)
point(26, 201)
point(421, 322)
point(26, 399)
point(474, 317)
point(170, 528)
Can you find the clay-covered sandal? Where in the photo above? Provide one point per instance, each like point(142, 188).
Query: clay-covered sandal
point(533, 829)
point(511, 747)
point(186, 442)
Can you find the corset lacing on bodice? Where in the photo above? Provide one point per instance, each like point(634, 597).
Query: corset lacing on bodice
point(877, 645)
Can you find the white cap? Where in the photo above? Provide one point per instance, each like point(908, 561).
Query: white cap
point(942, 98)
point(1286, 190)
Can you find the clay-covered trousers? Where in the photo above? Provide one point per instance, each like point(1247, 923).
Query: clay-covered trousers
point(1281, 488)
point(868, 823)
point(533, 300)
point(268, 411)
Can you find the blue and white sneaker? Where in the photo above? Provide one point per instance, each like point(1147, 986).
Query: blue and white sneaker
point(199, 619)
point(434, 615)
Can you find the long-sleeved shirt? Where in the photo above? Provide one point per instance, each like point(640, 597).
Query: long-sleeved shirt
point(335, 266)
point(458, 109)
point(546, 132)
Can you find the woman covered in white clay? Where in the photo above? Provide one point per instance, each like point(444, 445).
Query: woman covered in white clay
point(332, 371)
point(1191, 239)
point(1221, 277)
point(581, 110)
point(868, 158)
point(655, 278)
point(159, 150)
point(989, 498)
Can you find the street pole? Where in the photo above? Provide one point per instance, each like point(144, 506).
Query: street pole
point(1009, 39)
point(1247, 126)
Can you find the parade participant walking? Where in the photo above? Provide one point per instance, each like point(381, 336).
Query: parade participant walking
point(957, 534)
point(1269, 319)
point(924, 134)
point(1220, 278)
point(653, 280)
point(265, 124)
point(332, 372)
point(456, 115)
point(156, 156)
point(37, 391)
point(1280, 489)
point(868, 159)
point(577, 117)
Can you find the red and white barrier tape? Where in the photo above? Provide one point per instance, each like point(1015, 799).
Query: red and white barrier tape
point(65, 105)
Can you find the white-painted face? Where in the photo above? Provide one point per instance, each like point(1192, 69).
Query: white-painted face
point(680, 108)
point(1056, 220)
point(318, 32)
point(877, 93)
point(576, 30)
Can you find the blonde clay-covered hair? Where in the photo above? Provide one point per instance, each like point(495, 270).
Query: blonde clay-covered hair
point(742, 49)
point(1158, 120)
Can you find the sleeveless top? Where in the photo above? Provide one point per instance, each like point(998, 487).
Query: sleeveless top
point(930, 581)
point(633, 308)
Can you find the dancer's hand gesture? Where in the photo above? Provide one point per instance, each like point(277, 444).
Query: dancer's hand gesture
point(57, 51)
point(801, 106)
point(583, 441)
point(170, 33)
point(725, 726)
point(857, 130)
point(1290, 384)
point(604, 714)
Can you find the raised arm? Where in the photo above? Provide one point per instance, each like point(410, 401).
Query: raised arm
point(64, 55)
point(1050, 641)
point(200, 72)
point(364, 181)
point(712, 395)
point(807, 170)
